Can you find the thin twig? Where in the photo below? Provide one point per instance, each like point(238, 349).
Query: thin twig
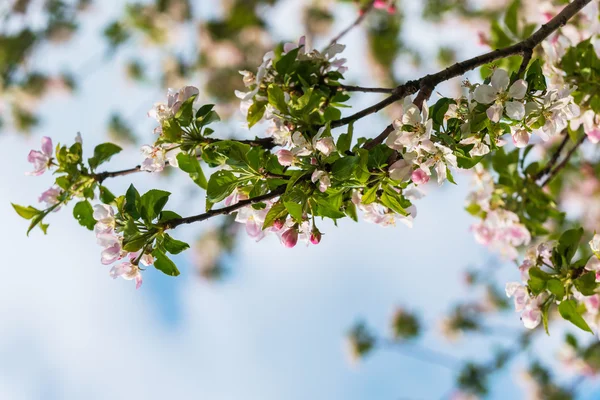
point(266, 143)
point(361, 16)
point(100, 177)
point(564, 162)
point(554, 158)
point(525, 62)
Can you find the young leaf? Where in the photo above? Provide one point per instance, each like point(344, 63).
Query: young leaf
point(294, 209)
point(102, 153)
point(568, 310)
point(83, 212)
point(586, 283)
point(277, 98)
point(345, 140)
point(535, 77)
point(132, 198)
point(556, 287)
point(26, 212)
point(164, 263)
point(174, 246)
point(152, 203)
point(220, 185)
point(278, 211)
point(105, 195)
point(191, 165)
point(255, 113)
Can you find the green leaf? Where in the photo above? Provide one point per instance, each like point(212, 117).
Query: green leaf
point(294, 209)
point(205, 109)
point(449, 176)
point(535, 77)
point(277, 211)
point(568, 310)
point(102, 153)
point(135, 242)
point(277, 98)
point(220, 185)
point(343, 169)
point(174, 246)
point(586, 283)
point(190, 164)
point(568, 243)
point(26, 212)
point(439, 109)
point(284, 65)
point(152, 203)
point(83, 212)
point(556, 287)
point(106, 196)
point(345, 140)
point(255, 113)
point(332, 114)
point(511, 17)
point(167, 216)
point(186, 112)
point(164, 263)
point(370, 195)
point(132, 199)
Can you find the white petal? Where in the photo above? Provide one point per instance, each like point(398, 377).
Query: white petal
point(494, 112)
point(515, 110)
point(500, 80)
point(518, 89)
point(484, 94)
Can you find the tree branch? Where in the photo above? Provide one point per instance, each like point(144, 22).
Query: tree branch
point(225, 210)
point(431, 81)
point(100, 177)
point(266, 143)
point(349, 88)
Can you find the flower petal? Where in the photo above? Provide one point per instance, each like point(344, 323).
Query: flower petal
point(484, 94)
point(515, 110)
point(518, 89)
point(500, 80)
point(494, 112)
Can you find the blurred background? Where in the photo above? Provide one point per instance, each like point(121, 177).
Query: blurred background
point(244, 320)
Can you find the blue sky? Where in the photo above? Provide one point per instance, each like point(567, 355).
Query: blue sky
point(274, 329)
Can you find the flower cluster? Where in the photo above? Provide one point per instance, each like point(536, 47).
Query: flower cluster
point(112, 245)
point(550, 276)
point(412, 138)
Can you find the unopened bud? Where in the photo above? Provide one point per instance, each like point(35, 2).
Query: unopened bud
point(289, 238)
point(315, 237)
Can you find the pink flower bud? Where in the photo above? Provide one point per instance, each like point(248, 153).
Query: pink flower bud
point(419, 177)
point(392, 9)
point(289, 238)
point(285, 157)
point(380, 4)
point(278, 224)
point(315, 237)
point(521, 138)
